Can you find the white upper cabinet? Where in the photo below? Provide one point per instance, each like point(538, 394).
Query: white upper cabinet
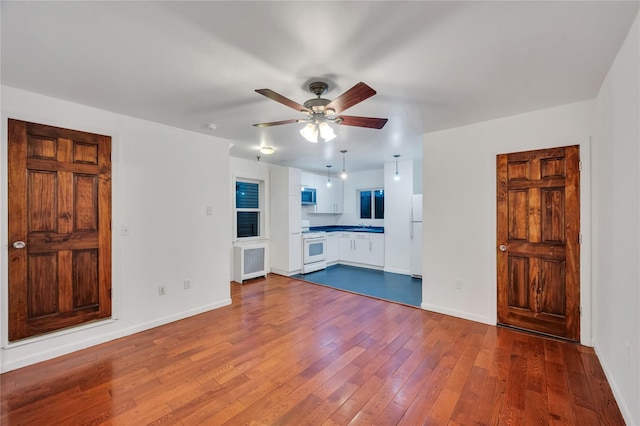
point(295, 180)
point(307, 180)
point(330, 199)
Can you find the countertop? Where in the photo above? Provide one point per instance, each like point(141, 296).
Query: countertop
point(347, 228)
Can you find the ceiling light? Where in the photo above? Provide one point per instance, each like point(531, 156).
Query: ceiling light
point(343, 175)
point(396, 177)
point(328, 176)
point(310, 132)
point(326, 132)
point(267, 150)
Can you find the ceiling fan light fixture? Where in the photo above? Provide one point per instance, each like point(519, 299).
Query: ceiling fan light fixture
point(310, 133)
point(326, 132)
point(267, 150)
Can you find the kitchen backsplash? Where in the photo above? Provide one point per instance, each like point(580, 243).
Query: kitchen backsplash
point(336, 219)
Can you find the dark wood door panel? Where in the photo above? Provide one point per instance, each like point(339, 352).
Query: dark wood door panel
point(60, 205)
point(537, 229)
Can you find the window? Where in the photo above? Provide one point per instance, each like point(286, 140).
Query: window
point(371, 203)
point(248, 208)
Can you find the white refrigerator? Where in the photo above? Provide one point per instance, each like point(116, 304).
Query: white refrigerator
point(416, 236)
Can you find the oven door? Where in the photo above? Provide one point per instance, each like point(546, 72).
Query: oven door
point(314, 250)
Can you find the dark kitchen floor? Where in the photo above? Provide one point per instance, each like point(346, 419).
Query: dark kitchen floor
point(369, 282)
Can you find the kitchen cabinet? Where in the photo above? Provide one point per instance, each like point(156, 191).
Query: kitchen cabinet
point(362, 247)
point(346, 250)
point(285, 244)
point(333, 247)
point(295, 179)
point(376, 249)
point(307, 180)
point(330, 199)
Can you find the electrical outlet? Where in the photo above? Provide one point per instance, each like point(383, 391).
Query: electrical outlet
point(161, 291)
point(187, 284)
point(458, 284)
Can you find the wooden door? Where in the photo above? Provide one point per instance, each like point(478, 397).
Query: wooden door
point(538, 209)
point(60, 212)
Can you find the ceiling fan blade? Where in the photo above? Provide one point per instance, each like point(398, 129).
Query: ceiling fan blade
point(284, 101)
point(355, 95)
point(277, 123)
point(372, 123)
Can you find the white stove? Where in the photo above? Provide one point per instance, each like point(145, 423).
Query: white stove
point(314, 249)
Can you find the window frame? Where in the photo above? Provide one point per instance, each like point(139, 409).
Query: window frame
point(259, 210)
point(373, 203)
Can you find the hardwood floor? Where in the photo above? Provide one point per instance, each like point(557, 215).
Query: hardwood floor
point(288, 352)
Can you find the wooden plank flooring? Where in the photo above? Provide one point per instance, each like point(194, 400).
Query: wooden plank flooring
point(288, 352)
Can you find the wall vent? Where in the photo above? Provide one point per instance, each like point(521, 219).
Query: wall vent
point(249, 262)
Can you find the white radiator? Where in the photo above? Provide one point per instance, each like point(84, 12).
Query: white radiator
point(249, 262)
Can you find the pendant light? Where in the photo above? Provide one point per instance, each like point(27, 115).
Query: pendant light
point(396, 177)
point(344, 171)
point(328, 176)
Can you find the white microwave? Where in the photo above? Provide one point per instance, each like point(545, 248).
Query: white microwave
point(308, 196)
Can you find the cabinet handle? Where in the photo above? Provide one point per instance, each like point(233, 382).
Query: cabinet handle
point(370, 246)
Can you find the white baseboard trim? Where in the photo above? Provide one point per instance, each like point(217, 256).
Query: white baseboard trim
point(283, 272)
point(45, 355)
point(360, 265)
point(397, 271)
point(456, 313)
point(624, 409)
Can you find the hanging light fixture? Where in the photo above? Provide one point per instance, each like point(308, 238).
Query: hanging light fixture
point(396, 177)
point(328, 176)
point(343, 175)
point(326, 132)
point(311, 130)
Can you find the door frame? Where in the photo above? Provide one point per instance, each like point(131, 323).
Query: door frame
point(83, 125)
point(585, 232)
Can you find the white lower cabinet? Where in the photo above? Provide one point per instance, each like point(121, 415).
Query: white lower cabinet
point(377, 249)
point(346, 247)
point(333, 247)
point(362, 247)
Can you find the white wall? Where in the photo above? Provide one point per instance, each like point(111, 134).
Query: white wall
point(163, 180)
point(355, 181)
point(459, 205)
point(616, 227)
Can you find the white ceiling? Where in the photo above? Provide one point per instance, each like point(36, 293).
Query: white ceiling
point(435, 65)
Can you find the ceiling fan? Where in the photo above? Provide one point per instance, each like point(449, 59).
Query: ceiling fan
point(319, 111)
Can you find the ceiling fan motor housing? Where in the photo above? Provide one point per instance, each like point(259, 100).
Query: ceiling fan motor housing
point(318, 88)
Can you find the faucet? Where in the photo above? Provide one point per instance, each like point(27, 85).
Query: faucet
point(362, 225)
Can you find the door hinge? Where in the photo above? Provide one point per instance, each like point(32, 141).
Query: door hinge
point(580, 310)
point(579, 238)
point(579, 166)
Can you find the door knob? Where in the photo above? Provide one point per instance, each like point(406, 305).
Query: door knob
point(19, 245)
point(503, 247)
